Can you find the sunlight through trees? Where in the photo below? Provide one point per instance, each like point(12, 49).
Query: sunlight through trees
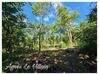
point(64, 45)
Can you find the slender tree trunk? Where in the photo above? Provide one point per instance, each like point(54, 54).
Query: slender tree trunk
point(40, 35)
point(39, 43)
point(70, 39)
point(53, 44)
point(33, 44)
point(10, 46)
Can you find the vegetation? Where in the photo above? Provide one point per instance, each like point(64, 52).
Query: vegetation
point(63, 46)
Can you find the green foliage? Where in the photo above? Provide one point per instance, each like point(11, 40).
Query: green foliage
point(12, 25)
point(88, 35)
point(67, 19)
point(40, 8)
point(93, 15)
point(22, 39)
point(88, 38)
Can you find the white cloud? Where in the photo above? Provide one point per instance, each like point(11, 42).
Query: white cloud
point(46, 19)
point(38, 18)
point(51, 15)
point(60, 4)
point(56, 4)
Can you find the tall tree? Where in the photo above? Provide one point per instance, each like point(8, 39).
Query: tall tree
point(88, 38)
point(66, 21)
point(41, 10)
point(12, 23)
point(93, 14)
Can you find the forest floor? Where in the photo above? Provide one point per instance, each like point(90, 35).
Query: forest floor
point(53, 61)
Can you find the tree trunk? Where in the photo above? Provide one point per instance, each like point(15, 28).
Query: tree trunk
point(39, 43)
point(70, 39)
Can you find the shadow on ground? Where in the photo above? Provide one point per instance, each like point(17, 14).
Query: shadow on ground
point(68, 61)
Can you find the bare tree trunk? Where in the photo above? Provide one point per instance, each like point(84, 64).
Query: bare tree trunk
point(39, 43)
point(70, 39)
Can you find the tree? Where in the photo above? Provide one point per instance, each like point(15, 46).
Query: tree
point(41, 10)
point(93, 15)
point(66, 22)
point(88, 35)
point(12, 23)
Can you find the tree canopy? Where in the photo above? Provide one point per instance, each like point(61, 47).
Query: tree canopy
point(64, 45)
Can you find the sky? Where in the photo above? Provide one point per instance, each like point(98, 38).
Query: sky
point(83, 8)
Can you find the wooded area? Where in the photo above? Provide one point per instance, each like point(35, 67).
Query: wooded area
point(63, 46)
